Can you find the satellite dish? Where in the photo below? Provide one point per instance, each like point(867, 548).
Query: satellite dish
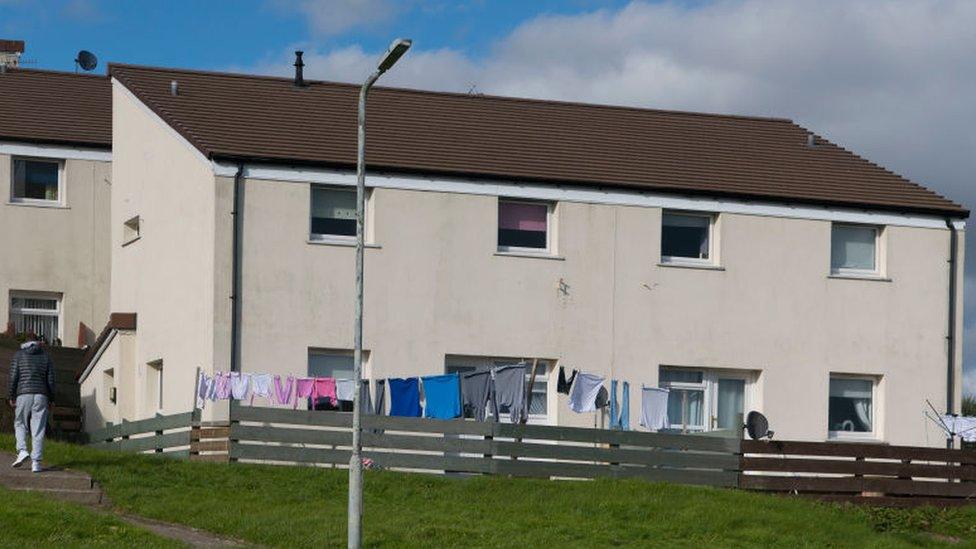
point(87, 60)
point(757, 426)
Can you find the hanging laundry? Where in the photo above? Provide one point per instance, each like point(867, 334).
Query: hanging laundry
point(443, 396)
point(364, 401)
point(654, 408)
point(222, 386)
point(345, 389)
point(212, 389)
point(240, 385)
point(325, 388)
point(283, 393)
point(582, 396)
point(563, 385)
point(602, 398)
point(619, 413)
point(405, 397)
point(509, 391)
point(965, 428)
point(304, 387)
point(261, 386)
point(203, 389)
point(474, 393)
point(380, 405)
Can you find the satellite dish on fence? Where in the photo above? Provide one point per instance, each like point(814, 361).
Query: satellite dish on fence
point(86, 60)
point(757, 426)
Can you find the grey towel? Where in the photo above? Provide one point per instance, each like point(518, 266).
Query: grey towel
point(475, 390)
point(380, 397)
point(510, 391)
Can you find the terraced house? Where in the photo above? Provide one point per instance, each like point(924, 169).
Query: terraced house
point(746, 263)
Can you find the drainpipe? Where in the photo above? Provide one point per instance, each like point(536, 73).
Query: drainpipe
point(951, 337)
point(235, 295)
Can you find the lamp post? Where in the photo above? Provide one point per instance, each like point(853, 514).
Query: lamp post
point(397, 49)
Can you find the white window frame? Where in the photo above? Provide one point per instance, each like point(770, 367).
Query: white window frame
point(873, 434)
point(841, 271)
point(468, 363)
point(712, 249)
point(58, 310)
point(340, 238)
point(709, 386)
point(550, 228)
point(61, 200)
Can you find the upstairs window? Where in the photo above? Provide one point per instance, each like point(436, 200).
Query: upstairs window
point(853, 249)
point(523, 226)
point(335, 363)
point(686, 238)
point(36, 181)
point(333, 213)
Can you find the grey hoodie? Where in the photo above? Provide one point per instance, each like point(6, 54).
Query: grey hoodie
point(31, 372)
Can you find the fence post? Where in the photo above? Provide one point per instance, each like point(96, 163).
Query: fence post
point(231, 421)
point(157, 434)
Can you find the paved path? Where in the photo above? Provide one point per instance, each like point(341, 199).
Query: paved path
point(78, 487)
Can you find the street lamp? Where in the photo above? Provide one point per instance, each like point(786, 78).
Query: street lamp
point(397, 49)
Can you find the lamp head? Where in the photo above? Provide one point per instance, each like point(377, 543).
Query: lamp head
point(392, 55)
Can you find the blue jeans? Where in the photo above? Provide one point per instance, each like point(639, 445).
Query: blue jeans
point(32, 408)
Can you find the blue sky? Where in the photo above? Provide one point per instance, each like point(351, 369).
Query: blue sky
point(890, 79)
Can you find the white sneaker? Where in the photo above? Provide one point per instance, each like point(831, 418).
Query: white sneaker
point(21, 458)
point(35, 466)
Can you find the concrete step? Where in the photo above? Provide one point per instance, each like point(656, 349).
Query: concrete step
point(91, 496)
point(14, 479)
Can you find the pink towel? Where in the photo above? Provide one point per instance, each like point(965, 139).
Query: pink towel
point(325, 387)
point(304, 387)
point(282, 393)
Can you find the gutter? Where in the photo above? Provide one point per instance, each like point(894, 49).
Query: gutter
point(951, 336)
point(235, 295)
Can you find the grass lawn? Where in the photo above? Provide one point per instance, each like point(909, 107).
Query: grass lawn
point(27, 520)
point(300, 506)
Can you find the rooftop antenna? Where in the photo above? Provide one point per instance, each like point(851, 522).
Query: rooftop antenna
point(86, 60)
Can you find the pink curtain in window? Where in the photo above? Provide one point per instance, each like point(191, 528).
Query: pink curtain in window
point(522, 217)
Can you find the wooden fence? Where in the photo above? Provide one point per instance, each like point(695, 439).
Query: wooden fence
point(861, 472)
point(167, 435)
point(459, 446)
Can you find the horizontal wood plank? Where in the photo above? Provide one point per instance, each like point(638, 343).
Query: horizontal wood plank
point(130, 428)
point(648, 457)
point(861, 467)
point(153, 442)
point(857, 449)
point(857, 485)
point(623, 438)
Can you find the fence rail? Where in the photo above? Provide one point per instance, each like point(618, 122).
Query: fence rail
point(169, 435)
point(861, 472)
point(459, 446)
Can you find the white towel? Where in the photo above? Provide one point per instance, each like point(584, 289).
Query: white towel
point(345, 389)
point(261, 386)
point(583, 393)
point(240, 385)
point(654, 408)
point(204, 386)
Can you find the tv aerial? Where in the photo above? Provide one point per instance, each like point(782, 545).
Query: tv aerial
point(86, 60)
point(757, 426)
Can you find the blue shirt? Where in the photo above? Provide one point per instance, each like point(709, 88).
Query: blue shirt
point(443, 396)
point(404, 397)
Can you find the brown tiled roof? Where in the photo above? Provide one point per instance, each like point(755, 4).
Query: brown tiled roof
point(55, 107)
point(12, 46)
point(232, 116)
point(116, 321)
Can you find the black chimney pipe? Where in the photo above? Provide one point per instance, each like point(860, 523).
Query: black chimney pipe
point(299, 77)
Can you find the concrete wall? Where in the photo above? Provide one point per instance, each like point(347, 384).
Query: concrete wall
point(435, 287)
point(63, 250)
point(167, 275)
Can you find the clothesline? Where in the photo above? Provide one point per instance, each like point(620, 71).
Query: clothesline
point(479, 394)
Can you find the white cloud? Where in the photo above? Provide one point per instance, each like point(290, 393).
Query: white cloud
point(330, 17)
point(892, 80)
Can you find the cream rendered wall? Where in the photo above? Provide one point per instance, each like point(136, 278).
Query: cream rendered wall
point(167, 276)
point(98, 409)
point(60, 249)
point(435, 286)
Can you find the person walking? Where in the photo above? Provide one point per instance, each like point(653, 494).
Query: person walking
point(30, 393)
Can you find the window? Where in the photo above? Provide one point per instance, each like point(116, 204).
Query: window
point(108, 385)
point(333, 213)
point(686, 238)
point(36, 313)
point(154, 383)
point(539, 404)
point(706, 400)
point(130, 230)
point(851, 407)
point(35, 180)
point(523, 226)
point(333, 363)
point(854, 249)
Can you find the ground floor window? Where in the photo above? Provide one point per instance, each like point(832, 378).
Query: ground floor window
point(538, 404)
point(851, 406)
point(37, 313)
point(706, 399)
point(334, 363)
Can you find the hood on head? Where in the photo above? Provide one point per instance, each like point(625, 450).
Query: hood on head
point(32, 347)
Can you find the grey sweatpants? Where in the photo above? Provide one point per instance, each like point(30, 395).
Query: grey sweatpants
point(32, 408)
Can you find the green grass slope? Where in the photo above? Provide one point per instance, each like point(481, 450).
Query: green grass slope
point(302, 506)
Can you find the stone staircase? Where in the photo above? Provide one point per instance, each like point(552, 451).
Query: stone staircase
point(70, 486)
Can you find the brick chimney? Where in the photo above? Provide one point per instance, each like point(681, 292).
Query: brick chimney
point(10, 52)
